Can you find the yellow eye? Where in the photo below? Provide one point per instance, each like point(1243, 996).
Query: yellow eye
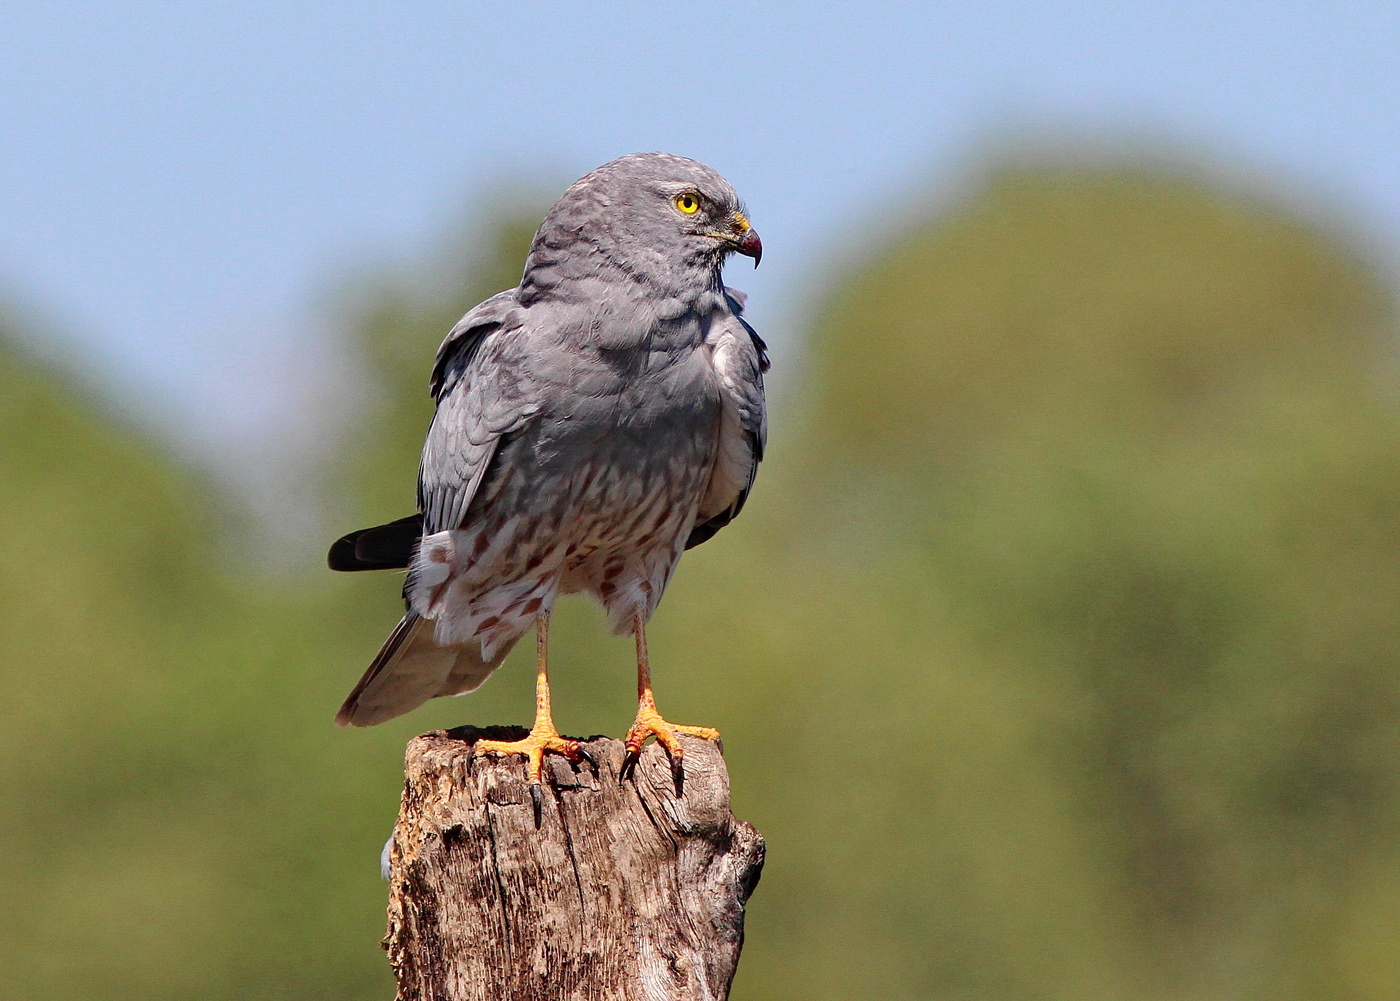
point(688, 203)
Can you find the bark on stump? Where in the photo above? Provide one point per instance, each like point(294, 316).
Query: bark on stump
point(626, 891)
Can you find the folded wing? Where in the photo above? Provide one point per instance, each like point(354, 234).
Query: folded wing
point(483, 393)
point(740, 358)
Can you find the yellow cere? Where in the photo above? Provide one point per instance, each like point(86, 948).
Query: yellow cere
point(740, 222)
point(688, 203)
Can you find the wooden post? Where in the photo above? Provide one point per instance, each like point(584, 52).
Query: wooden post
point(625, 892)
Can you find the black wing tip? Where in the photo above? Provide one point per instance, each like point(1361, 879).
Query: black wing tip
point(706, 531)
point(342, 554)
point(383, 547)
point(701, 534)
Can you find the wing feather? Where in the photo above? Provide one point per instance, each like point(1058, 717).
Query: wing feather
point(484, 392)
point(740, 358)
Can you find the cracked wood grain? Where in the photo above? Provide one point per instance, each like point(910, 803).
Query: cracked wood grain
point(625, 892)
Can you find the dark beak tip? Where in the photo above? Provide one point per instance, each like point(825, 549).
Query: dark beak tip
point(751, 246)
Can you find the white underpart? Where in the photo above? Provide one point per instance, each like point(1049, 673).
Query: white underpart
point(448, 589)
point(433, 563)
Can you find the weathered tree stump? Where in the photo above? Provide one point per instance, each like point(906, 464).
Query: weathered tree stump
point(625, 891)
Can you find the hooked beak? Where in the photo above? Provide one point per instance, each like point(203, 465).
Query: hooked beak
point(744, 239)
point(750, 245)
point(740, 237)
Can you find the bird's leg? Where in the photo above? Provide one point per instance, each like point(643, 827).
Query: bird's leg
point(649, 722)
point(543, 738)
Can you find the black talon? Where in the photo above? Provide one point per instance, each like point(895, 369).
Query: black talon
point(592, 763)
point(537, 797)
point(629, 763)
point(678, 775)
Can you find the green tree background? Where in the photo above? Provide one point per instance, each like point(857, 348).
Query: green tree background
point(1057, 652)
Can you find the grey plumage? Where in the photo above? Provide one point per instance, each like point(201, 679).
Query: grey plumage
point(591, 424)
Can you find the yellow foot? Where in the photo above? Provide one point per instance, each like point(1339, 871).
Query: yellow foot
point(535, 746)
point(650, 723)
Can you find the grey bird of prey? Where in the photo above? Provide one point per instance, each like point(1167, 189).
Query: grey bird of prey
point(592, 424)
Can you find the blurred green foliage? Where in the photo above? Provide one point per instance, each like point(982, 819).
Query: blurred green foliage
point(1057, 652)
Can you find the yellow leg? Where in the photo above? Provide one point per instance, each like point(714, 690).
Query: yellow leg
point(543, 737)
point(650, 722)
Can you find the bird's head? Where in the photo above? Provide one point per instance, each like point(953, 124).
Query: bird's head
point(664, 219)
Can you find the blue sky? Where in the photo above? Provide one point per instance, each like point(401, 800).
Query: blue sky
point(181, 184)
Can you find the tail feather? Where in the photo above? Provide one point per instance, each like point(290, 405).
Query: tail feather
point(470, 672)
point(410, 669)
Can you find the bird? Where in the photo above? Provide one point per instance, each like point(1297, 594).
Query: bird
point(591, 425)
